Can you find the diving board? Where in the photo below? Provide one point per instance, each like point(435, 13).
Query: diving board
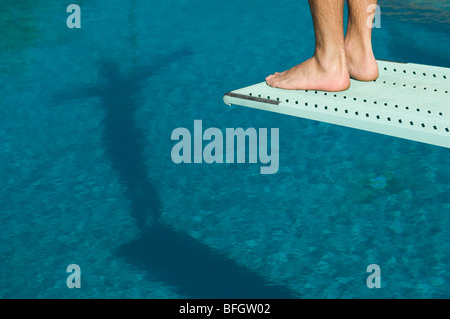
point(409, 101)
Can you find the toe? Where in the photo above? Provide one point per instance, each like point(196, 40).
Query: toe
point(273, 83)
point(274, 80)
point(270, 77)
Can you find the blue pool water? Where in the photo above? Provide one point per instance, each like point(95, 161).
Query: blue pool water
point(87, 178)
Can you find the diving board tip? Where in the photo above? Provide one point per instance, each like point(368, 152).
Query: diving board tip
point(409, 101)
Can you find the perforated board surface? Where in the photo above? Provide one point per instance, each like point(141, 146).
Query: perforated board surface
point(409, 101)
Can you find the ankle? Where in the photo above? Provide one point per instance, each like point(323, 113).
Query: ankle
point(358, 46)
point(331, 61)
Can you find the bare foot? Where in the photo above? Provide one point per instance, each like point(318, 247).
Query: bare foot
point(361, 62)
point(312, 75)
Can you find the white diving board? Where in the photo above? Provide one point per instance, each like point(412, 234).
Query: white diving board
point(409, 101)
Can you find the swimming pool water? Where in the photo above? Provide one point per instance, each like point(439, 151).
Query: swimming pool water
point(85, 123)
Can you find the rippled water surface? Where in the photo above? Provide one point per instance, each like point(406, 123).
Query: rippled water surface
point(86, 118)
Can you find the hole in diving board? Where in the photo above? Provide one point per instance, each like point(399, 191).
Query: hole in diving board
point(276, 100)
point(407, 108)
point(367, 115)
point(404, 85)
point(376, 102)
point(414, 72)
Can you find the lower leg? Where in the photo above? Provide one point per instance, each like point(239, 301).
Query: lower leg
point(361, 62)
point(327, 69)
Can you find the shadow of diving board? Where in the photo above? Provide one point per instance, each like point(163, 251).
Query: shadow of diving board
point(409, 101)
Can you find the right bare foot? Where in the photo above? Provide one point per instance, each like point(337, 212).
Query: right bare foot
point(312, 75)
point(361, 62)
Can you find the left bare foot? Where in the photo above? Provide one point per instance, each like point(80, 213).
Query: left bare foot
point(361, 62)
